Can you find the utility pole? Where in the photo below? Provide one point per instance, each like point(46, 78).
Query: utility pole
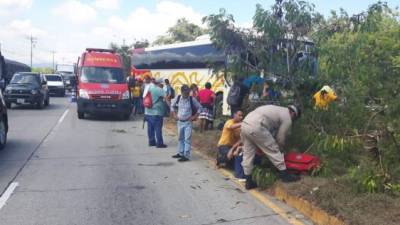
point(33, 42)
point(54, 69)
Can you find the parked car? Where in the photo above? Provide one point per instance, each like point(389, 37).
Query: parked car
point(56, 84)
point(27, 88)
point(69, 78)
point(3, 122)
point(3, 108)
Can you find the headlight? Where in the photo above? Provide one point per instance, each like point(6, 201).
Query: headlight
point(125, 95)
point(8, 90)
point(34, 92)
point(83, 94)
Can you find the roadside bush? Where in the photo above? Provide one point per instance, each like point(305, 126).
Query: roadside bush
point(358, 137)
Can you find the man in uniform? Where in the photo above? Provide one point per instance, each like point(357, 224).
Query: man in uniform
point(266, 128)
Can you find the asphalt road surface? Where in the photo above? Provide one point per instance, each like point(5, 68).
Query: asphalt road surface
point(99, 171)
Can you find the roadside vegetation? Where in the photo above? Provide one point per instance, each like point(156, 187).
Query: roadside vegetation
point(358, 137)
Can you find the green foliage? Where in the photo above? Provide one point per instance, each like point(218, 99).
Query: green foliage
point(125, 52)
point(182, 31)
point(141, 44)
point(359, 56)
point(272, 46)
point(264, 177)
point(44, 70)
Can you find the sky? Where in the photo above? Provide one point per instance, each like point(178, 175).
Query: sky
point(68, 27)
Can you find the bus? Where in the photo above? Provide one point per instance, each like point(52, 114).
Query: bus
point(12, 67)
point(182, 63)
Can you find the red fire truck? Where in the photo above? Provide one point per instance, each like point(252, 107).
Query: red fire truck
point(101, 84)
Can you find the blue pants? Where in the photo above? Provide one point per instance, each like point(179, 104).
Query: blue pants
point(154, 130)
point(185, 138)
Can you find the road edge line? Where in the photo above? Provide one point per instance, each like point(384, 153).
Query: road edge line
point(7, 194)
point(263, 199)
point(312, 212)
point(63, 116)
point(258, 195)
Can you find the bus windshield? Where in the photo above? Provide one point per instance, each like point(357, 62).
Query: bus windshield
point(102, 75)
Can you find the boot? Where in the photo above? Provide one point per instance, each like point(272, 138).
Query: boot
point(287, 177)
point(249, 182)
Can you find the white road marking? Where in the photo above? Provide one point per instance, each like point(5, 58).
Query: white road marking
point(63, 116)
point(6, 195)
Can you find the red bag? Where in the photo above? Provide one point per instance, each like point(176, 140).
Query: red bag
point(148, 100)
point(301, 162)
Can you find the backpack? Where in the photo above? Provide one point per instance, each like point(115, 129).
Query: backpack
point(234, 95)
point(192, 106)
point(302, 162)
point(148, 100)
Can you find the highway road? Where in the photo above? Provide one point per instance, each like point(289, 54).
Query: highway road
point(59, 170)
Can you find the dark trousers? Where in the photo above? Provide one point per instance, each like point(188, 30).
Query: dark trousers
point(136, 105)
point(154, 130)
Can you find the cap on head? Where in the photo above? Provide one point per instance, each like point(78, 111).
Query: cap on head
point(295, 110)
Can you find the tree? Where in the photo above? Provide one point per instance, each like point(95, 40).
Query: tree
point(274, 43)
point(44, 70)
point(358, 56)
point(141, 44)
point(182, 31)
point(125, 52)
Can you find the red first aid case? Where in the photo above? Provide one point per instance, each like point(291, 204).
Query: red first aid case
point(301, 162)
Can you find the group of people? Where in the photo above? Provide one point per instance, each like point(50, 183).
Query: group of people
point(191, 104)
point(262, 131)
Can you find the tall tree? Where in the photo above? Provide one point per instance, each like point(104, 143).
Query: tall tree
point(141, 44)
point(274, 43)
point(125, 51)
point(182, 31)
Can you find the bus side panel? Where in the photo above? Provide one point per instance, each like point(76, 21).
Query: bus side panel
point(200, 77)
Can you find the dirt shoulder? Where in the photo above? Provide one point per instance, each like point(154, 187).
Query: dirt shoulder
point(331, 196)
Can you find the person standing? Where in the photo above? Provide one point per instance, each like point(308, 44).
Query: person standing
point(154, 115)
point(194, 91)
point(169, 95)
point(207, 98)
point(236, 95)
point(184, 109)
point(136, 95)
point(266, 128)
